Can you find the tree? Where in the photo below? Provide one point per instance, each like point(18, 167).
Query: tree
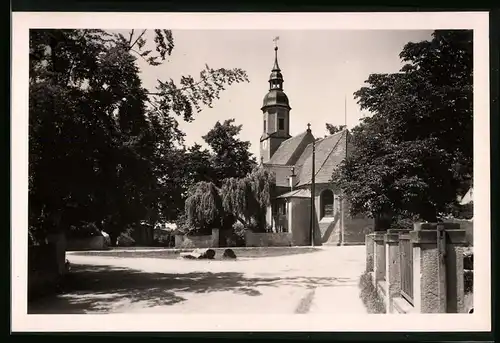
point(243, 199)
point(231, 156)
point(414, 154)
point(333, 129)
point(228, 157)
point(100, 143)
point(247, 198)
point(204, 209)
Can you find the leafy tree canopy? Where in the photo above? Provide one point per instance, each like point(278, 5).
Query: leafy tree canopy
point(103, 148)
point(231, 156)
point(333, 129)
point(413, 155)
point(242, 199)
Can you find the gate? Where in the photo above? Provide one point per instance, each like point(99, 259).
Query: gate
point(406, 263)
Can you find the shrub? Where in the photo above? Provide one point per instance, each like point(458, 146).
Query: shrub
point(369, 295)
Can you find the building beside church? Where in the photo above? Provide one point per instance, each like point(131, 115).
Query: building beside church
point(290, 158)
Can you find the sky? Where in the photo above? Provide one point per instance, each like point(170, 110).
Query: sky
point(320, 69)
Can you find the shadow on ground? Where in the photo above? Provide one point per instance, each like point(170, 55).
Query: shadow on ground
point(103, 289)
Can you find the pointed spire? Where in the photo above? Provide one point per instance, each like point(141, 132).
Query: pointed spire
point(276, 78)
point(276, 67)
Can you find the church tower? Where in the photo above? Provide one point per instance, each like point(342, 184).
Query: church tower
point(276, 114)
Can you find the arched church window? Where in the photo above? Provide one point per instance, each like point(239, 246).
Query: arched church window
point(326, 203)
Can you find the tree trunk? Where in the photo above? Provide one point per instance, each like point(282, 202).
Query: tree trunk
point(382, 222)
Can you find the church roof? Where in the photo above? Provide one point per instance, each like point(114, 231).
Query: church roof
point(282, 173)
point(297, 193)
point(290, 150)
point(275, 97)
point(330, 152)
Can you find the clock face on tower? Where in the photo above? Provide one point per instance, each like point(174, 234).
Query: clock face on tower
point(264, 144)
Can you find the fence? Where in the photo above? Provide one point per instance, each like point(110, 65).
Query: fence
point(270, 239)
point(409, 275)
point(406, 263)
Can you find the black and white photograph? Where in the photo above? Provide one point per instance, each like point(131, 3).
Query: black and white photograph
point(284, 172)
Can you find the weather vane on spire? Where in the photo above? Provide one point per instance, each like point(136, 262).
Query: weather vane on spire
point(275, 40)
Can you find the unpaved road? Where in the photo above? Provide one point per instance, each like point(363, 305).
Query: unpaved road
point(318, 282)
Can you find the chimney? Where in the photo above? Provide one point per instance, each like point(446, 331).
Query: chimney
point(292, 178)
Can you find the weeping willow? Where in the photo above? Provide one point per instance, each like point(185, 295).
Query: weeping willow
point(204, 206)
point(246, 199)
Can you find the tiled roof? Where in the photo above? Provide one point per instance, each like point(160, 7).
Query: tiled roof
point(297, 193)
point(330, 152)
point(291, 149)
point(282, 173)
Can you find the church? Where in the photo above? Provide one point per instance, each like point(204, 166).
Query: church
point(304, 164)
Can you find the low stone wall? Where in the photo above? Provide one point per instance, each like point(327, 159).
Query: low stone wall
point(207, 241)
point(268, 239)
point(468, 226)
point(90, 243)
point(420, 271)
point(356, 229)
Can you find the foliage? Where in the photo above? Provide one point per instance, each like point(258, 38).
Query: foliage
point(247, 198)
point(333, 129)
point(414, 154)
point(103, 148)
point(231, 156)
point(369, 295)
point(204, 209)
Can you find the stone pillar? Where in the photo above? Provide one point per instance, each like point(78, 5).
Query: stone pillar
point(379, 257)
point(428, 266)
point(215, 238)
point(370, 249)
point(456, 241)
point(392, 268)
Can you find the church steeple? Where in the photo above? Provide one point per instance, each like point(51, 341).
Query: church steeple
point(276, 78)
point(276, 113)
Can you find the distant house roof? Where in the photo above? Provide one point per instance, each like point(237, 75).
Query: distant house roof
point(329, 153)
point(298, 193)
point(468, 197)
point(290, 150)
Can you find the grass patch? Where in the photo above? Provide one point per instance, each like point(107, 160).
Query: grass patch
point(369, 295)
point(175, 253)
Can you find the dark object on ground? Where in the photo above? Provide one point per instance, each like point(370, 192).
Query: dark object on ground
point(200, 254)
point(471, 310)
point(229, 253)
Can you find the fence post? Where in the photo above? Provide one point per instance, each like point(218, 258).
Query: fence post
point(379, 258)
point(426, 266)
point(370, 247)
point(456, 241)
point(392, 268)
